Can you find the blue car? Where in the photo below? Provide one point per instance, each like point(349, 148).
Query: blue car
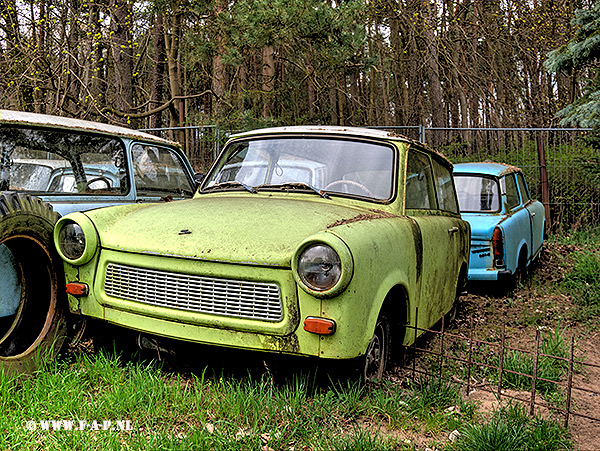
point(507, 225)
point(51, 166)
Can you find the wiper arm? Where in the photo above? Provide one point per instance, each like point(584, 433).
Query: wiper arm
point(248, 188)
point(299, 185)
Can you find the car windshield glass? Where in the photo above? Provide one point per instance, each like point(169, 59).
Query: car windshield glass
point(341, 166)
point(477, 193)
point(61, 162)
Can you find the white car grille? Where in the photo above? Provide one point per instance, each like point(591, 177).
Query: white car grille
point(237, 298)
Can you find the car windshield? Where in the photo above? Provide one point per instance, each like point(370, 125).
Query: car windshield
point(61, 162)
point(477, 193)
point(350, 167)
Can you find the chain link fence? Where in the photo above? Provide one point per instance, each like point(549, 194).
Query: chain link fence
point(572, 194)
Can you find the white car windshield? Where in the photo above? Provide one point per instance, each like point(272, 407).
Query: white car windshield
point(477, 193)
point(338, 166)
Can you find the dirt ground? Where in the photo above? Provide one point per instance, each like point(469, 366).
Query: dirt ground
point(535, 305)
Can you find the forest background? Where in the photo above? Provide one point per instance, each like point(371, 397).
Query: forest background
point(247, 63)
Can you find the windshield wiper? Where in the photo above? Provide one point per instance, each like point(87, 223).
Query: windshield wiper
point(248, 188)
point(297, 185)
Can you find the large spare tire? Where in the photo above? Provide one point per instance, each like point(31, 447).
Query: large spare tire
point(32, 296)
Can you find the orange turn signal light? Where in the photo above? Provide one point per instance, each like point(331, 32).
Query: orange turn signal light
point(77, 289)
point(321, 326)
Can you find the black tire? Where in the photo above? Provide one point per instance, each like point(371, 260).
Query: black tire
point(378, 351)
point(520, 273)
point(35, 331)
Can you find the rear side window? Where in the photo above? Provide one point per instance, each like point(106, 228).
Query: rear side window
point(444, 185)
point(523, 188)
point(512, 194)
point(419, 182)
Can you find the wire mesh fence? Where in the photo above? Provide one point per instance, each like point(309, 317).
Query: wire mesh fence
point(573, 196)
point(546, 376)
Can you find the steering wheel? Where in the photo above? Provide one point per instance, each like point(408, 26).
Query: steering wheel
point(101, 178)
point(350, 182)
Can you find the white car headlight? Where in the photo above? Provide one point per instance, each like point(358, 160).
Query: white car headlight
point(75, 238)
point(319, 267)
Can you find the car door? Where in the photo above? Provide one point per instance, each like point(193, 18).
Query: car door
point(516, 225)
point(437, 232)
point(536, 215)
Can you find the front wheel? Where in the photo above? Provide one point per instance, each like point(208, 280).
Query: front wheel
point(378, 352)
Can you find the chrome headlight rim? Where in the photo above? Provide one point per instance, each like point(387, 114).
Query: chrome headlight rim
point(345, 258)
point(89, 233)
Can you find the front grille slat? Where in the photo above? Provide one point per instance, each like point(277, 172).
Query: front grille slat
point(225, 297)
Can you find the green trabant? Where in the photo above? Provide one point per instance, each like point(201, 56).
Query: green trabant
point(312, 241)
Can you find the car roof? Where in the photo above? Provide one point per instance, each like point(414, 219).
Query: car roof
point(485, 167)
point(328, 130)
point(10, 117)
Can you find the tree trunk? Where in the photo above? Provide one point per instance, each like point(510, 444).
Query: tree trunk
point(121, 26)
point(268, 79)
point(158, 71)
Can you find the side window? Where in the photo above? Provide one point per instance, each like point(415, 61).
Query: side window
point(523, 188)
point(419, 182)
point(444, 185)
point(157, 169)
point(512, 194)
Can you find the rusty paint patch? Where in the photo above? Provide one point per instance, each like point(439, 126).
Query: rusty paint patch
point(509, 169)
point(376, 214)
point(418, 240)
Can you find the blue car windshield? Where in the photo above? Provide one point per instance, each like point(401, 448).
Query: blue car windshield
point(477, 193)
point(333, 166)
point(61, 162)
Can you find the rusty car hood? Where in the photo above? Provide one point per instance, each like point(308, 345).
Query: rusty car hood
point(246, 229)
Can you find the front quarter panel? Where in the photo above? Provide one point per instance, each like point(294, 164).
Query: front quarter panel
point(385, 255)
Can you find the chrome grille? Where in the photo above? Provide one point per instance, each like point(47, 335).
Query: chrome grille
point(237, 298)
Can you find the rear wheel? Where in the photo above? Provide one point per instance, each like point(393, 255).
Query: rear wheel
point(32, 299)
point(521, 271)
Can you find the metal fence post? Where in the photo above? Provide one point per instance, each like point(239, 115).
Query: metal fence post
point(534, 375)
point(569, 383)
point(541, 148)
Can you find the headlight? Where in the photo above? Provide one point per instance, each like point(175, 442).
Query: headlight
point(71, 241)
point(319, 267)
point(75, 238)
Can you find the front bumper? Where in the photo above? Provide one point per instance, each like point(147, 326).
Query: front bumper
point(284, 334)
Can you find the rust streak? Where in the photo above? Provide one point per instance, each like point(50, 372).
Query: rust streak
point(377, 214)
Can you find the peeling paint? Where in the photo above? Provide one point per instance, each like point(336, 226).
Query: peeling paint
point(377, 214)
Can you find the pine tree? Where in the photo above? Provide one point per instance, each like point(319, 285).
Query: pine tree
point(581, 55)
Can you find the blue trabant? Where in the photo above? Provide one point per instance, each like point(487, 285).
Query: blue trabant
point(507, 225)
point(51, 166)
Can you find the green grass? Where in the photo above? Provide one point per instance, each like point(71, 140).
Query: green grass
point(511, 429)
point(171, 411)
point(184, 411)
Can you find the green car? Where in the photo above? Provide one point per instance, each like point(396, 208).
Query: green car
point(313, 241)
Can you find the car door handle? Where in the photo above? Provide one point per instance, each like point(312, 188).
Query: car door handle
point(453, 229)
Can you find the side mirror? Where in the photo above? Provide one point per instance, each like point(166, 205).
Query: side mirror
point(198, 177)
